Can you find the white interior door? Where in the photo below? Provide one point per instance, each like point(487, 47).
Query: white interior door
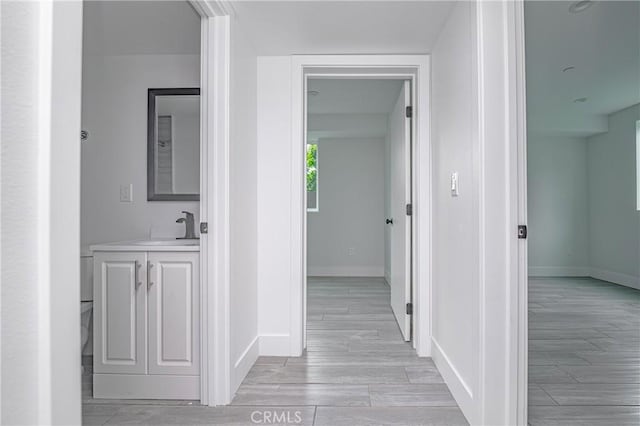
point(400, 170)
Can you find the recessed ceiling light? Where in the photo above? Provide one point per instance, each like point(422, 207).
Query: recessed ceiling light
point(568, 69)
point(579, 100)
point(580, 6)
point(313, 93)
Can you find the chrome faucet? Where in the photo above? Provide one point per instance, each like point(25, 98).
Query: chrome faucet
point(190, 232)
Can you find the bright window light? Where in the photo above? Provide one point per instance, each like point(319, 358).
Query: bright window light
point(312, 177)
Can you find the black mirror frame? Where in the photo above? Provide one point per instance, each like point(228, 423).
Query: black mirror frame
point(151, 145)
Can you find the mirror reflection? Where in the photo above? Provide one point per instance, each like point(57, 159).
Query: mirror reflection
point(173, 163)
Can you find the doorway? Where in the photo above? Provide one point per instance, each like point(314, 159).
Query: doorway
point(358, 183)
point(583, 211)
point(383, 67)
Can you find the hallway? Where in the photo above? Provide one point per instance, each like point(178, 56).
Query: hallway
point(584, 352)
point(357, 370)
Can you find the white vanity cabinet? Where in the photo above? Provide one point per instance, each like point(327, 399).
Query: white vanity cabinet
point(146, 322)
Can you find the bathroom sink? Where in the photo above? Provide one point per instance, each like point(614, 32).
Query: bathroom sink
point(168, 242)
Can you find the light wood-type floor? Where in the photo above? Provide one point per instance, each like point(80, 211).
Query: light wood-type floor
point(584, 366)
point(357, 370)
point(584, 353)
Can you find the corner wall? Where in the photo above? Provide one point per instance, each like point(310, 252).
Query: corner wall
point(614, 221)
point(583, 217)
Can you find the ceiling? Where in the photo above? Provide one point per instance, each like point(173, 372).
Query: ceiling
point(351, 96)
point(350, 108)
point(140, 27)
point(342, 27)
point(602, 43)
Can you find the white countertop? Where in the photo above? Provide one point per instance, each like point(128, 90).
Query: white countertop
point(149, 245)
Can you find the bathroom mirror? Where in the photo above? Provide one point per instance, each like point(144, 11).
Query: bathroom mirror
point(173, 145)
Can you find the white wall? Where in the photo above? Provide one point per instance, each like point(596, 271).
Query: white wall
point(274, 204)
point(347, 125)
point(614, 225)
point(19, 222)
point(351, 214)
point(558, 206)
point(475, 263)
point(387, 207)
point(582, 204)
point(39, 198)
point(114, 112)
point(243, 186)
point(456, 278)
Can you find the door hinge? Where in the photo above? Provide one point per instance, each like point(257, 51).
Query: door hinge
point(204, 227)
point(409, 112)
point(522, 232)
point(409, 308)
point(409, 209)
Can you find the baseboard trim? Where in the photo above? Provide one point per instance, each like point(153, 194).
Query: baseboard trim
point(132, 386)
point(243, 364)
point(559, 271)
point(459, 388)
point(616, 278)
point(275, 345)
point(584, 271)
point(345, 271)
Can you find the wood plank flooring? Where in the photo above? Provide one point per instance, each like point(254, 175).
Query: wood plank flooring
point(584, 366)
point(584, 353)
point(357, 370)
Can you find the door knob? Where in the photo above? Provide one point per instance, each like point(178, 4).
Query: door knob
point(389, 221)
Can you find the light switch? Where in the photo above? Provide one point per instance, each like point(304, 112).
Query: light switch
point(454, 184)
point(126, 193)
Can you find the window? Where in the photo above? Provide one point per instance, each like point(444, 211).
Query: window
point(312, 177)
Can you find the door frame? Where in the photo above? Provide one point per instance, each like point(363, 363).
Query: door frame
point(215, 48)
point(518, 170)
point(417, 69)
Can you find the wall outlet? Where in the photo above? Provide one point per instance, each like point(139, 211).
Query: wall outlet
point(126, 193)
point(351, 251)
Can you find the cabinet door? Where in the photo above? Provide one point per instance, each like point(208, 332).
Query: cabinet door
point(119, 323)
point(174, 313)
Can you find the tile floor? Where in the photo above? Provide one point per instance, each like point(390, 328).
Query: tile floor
point(584, 366)
point(584, 353)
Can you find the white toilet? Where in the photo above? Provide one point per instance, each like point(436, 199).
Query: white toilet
point(86, 301)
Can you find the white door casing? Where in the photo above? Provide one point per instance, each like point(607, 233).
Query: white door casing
point(215, 48)
point(120, 312)
point(400, 144)
point(173, 288)
point(412, 67)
